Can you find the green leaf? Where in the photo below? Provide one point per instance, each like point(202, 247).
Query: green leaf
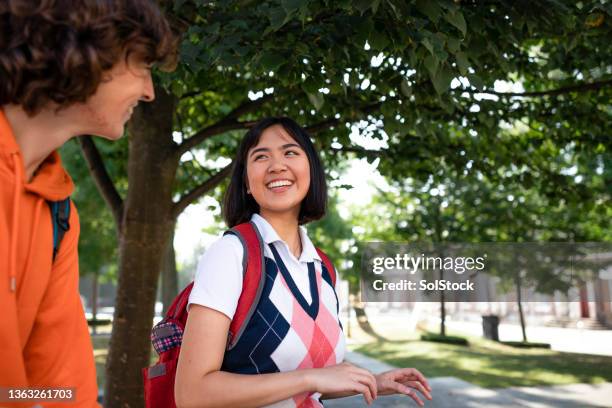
point(462, 62)
point(394, 8)
point(189, 53)
point(476, 81)
point(311, 85)
point(405, 88)
point(178, 4)
point(442, 79)
point(316, 99)
point(431, 63)
point(271, 60)
point(362, 5)
point(456, 19)
point(427, 44)
point(278, 17)
point(447, 105)
point(291, 6)
point(453, 44)
point(375, 5)
point(378, 39)
point(430, 9)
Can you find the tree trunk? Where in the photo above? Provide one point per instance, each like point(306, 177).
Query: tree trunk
point(169, 276)
point(520, 305)
point(94, 303)
point(145, 229)
point(364, 322)
point(442, 308)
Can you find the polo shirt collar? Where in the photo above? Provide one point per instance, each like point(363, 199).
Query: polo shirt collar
point(269, 235)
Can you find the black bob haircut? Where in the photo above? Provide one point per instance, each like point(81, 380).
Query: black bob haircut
point(238, 206)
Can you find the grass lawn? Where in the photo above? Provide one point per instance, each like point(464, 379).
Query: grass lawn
point(490, 364)
point(100, 345)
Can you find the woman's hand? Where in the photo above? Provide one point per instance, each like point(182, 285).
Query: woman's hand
point(343, 380)
point(403, 381)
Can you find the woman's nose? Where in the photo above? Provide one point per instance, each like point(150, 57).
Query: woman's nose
point(277, 165)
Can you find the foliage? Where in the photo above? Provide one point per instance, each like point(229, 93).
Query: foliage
point(423, 79)
point(392, 64)
point(98, 240)
point(333, 235)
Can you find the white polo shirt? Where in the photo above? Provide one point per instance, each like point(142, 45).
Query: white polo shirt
point(218, 279)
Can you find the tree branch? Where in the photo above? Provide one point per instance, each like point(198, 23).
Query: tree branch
point(328, 123)
point(200, 190)
point(190, 94)
point(594, 86)
point(248, 106)
point(105, 184)
point(229, 122)
point(360, 151)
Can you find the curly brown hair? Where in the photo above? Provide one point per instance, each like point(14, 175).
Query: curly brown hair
point(56, 51)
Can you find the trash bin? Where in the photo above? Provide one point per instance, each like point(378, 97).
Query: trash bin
point(490, 324)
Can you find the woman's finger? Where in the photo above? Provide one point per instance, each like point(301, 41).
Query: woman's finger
point(414, 374)
point(370, 381)
point(402, 389)
point(411, 393)
point(361, 388)
point(417, 385)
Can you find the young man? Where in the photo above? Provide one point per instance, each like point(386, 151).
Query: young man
point(67, 68)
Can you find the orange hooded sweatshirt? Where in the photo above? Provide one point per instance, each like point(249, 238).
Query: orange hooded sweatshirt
point(44, 340)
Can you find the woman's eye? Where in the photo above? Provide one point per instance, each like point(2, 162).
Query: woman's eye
point(292, 152)
point(259, 156)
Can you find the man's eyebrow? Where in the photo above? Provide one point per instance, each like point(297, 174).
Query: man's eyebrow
point(267, 149)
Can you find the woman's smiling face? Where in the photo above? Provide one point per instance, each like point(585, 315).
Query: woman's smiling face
point(278, 172)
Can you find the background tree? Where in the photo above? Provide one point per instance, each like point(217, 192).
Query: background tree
point(330, 64)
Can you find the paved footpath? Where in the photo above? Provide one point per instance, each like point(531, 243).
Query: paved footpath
point(456, 393)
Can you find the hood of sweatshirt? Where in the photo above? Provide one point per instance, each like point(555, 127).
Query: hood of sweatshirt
point(49, 183)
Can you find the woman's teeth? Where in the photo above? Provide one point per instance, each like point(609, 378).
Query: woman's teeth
point(279, 183)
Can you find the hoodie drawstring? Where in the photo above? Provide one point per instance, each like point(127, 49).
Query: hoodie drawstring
point(14, 225)
point(37, 211)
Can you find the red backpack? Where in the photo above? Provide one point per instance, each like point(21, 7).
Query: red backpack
point(167, 335)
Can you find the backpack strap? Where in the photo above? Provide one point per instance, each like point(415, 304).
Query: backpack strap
point(60, 216)
point(328, 265)
point(253, 280)
point(252, 286)
point(178, 308)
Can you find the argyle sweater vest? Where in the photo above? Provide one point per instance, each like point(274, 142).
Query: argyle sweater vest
point(286, 333)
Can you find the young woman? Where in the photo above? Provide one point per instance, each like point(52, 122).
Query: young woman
point(294, 342)
point(67, 68)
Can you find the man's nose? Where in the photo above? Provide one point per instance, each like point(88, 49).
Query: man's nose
point(148, 92)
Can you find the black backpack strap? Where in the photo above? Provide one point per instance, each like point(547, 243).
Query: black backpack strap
point(60, 215)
